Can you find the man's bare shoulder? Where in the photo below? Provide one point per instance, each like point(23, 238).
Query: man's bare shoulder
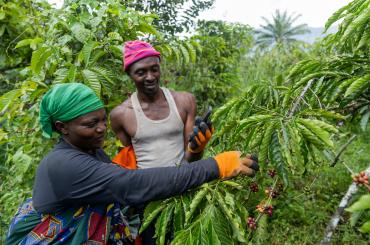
point(121, 110)
point(183, 98)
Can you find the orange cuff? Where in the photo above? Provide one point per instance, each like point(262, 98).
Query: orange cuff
point(126, 158)
point(227, 163)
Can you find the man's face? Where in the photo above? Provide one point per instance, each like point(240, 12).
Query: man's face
point(146, 74)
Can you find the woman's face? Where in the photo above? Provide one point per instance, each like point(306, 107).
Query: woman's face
point(85, 132)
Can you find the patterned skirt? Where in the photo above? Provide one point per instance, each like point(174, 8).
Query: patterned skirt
point(91, 225)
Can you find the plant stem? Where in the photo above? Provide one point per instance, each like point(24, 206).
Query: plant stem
point(295, 105)
point(329, 231)
point(336, 159)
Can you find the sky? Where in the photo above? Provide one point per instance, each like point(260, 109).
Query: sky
point(313, 12)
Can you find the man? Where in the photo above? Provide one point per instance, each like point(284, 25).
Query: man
point(157, 122)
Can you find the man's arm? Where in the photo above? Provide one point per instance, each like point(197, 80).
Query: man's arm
point(189, 101)
point(117, 121)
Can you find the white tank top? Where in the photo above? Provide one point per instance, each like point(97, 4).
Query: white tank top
point(158, 143)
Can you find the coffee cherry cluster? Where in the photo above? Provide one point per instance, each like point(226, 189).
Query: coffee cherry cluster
point(361, 178)
point(253, 187)
point(266, 209)
point(271, 173)
point(271, 192)
point(251, 222)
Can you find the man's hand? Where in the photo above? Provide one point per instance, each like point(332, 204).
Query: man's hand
point(230, 164)
point(202, 133)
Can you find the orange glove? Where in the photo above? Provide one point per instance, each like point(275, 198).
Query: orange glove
point(230, 164)
point(198, 140)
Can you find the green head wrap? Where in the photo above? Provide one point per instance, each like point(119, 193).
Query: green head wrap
point(65, 102)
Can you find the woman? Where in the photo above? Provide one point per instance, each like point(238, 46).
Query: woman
point(78, 193)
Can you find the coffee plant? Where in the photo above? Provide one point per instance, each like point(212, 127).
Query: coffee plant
point(291, 122)
point(220, 212)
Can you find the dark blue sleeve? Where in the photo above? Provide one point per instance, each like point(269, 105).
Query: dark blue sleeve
point(81, 179)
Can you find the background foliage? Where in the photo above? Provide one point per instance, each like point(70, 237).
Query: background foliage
point(294, 105)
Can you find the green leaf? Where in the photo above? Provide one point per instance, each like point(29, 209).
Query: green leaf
point(365, 120)
point(356, 23)
point(232, 184)
point(65, 39)
point(178, 216)
point(86, 52)
point(336, 16)
point(251, 120)
point(365, 38)
point(192, 52)
point(197, 46)
point(362, 204)
point(307, 135)
point(263, 150)
point(72, 74)
point(176, 52)
point(321, 113)
point(80, 32)
point(365, 227)
point(277, 159)
point(163, 223)
point(212, 235)
point(34, 42)
point(294, 144)
point(2, 30)
point(358, 85)
point(92, 79)
point(185, 54)
point(2, 14)
point(237, 227)
point(323, 125)
point(317, 130)
point(39, 58)
point(22, 161)
point(195, 203)
point(60, 75)
point(284, 138)
point(221, 226)
point(115, 36)
point(151, 212)
point(166, 49)
point(147, 28)
point(355, 216)
point(8, 99)
point(104, 74)
point(24, 42)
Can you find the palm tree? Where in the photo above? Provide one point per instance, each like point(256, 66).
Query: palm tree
point(280, 31)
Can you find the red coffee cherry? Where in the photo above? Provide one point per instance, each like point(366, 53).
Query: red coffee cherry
point(271, 173)
point(253, 187)
point(251, 223)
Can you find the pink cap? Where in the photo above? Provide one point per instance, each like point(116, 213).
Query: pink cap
point(137, 50)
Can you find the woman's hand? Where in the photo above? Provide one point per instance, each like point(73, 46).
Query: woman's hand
point(230, 164)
